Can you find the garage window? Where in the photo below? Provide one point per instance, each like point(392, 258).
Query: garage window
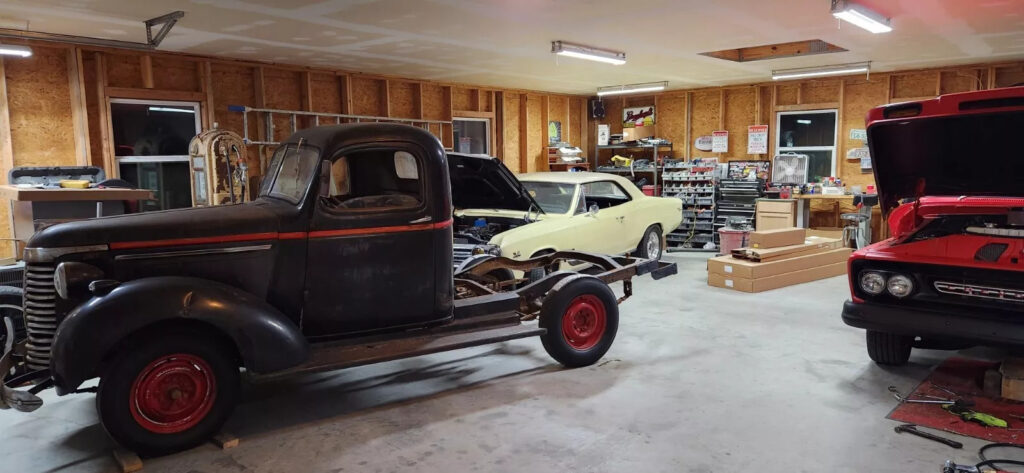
point(812, 133)
point(472, 135)
point(151, 147)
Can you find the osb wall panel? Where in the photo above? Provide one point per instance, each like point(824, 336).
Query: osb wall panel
point(39, 103)
point(510, 108)
point(433, 102)
point(740, 108)
point(173, 73)
point(366, 95)
point(576, 123)
point(403, 99)
point(536, 141)
point(123, 70)
point(960, 81)
point(820, 91)
point(326, 92)
point(704, 119)
point(671, 122)
point(859, 96)
point(787, 94)
point(92, 108)
point(282, 90)
point(919, 84)
point(558, 111)
point(235, 85)
point(463, 98)
point(488, 99)
point(1009, 76)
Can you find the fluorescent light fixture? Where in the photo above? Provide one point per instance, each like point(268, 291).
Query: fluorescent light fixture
point(15, 50)
point(586, 52)
point(861, 16)
point(631, 88)
point(804, 122)
point(169, 109)
point(821, 71)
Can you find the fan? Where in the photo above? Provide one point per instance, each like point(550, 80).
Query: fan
point(790, 169)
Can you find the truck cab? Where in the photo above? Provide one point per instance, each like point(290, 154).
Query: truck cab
point(345, 258)
point(950, 274)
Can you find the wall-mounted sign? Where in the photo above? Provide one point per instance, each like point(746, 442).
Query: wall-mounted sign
point(703, 143)
point(857, 153)
point(858, 134)
point(757, 139)
point(720, 141)
point(603, 132)
point(554, 132)
point(637, 116)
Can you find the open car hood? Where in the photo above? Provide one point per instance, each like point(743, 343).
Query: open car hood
point(483, 182)
point(953, 145)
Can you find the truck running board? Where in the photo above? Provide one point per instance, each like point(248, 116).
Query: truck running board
point(333, 356)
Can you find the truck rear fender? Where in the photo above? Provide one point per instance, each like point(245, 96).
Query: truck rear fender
point(266, 339)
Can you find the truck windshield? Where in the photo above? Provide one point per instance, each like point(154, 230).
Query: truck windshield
point(290, 172)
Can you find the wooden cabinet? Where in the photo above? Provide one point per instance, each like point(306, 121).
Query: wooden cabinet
point(775, 213)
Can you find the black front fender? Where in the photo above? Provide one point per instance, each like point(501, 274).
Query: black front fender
point(266, 339)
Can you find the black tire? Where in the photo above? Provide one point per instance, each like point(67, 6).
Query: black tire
point(889, 348)
point(581, 298)
point(11, 307)
point(642, 250)
point(123, 411)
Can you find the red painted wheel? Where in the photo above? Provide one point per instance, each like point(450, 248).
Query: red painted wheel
point(173, 393)
point(584, 322)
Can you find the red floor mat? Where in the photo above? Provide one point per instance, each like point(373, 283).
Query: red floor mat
point(964, 377)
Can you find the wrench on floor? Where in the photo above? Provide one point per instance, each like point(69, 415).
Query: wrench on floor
point(912, 429)
point(901, 398)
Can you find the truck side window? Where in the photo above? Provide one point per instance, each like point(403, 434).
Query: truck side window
point(374, 180)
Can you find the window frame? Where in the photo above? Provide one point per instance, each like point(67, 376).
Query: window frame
point(158, 158)
point(779, 149)
point(417, 155)
point(629, 198)
point(487, 134)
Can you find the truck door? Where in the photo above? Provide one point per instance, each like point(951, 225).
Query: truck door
point(371, 252)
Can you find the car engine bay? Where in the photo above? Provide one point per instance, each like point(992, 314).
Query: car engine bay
point(480, 230)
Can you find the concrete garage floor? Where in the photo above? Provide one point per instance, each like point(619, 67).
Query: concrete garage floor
point(700, 379)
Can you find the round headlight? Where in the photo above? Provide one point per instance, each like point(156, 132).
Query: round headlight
point(900, 286)
point(872, 283)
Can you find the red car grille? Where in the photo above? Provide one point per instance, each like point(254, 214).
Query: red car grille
point(983, 292)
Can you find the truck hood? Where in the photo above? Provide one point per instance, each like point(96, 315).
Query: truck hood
point(199, 222)
point(483, 182)
point(954, 145)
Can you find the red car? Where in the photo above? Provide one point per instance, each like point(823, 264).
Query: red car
point(950, 174)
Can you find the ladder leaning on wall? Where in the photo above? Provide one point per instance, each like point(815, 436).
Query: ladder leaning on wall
point(265, 117)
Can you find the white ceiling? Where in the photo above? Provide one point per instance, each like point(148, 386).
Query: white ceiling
point(506, 43)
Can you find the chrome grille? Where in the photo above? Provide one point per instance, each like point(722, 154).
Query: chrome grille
point(40, 313)
point(983, 292)
point(461, 253)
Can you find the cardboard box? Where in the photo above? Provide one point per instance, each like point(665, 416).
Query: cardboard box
point(776, 238)
point(825, 232)
point(739, 268)
point(810, 246)
point(778, 280)
point(1012, 370)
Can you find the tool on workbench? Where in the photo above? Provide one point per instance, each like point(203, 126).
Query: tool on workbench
point(912, 429)
point(961, 403)
point(968, 415)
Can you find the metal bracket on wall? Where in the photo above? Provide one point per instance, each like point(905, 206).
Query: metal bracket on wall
point(166, 22)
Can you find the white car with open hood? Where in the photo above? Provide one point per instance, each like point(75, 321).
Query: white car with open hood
point(538, 213)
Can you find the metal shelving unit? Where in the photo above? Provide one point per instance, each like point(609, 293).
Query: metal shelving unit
point(652, 169)
point(694, 185)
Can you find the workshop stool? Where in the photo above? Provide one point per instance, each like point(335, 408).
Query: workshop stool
point(858, 224)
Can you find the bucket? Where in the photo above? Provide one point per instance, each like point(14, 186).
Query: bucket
point(649, 190)
point(731, 239)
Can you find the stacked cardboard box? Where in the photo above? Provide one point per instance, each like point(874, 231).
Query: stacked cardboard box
point(778, 258)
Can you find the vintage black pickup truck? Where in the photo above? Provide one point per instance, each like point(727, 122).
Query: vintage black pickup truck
point(344, 259)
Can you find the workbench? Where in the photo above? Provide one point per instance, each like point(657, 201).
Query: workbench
point(32, 206)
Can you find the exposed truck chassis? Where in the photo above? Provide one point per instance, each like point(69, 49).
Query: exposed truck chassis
point(487, 311)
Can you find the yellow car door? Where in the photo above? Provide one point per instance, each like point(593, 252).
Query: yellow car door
point(611, 226)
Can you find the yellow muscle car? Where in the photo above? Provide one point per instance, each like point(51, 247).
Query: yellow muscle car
point(498, 214)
